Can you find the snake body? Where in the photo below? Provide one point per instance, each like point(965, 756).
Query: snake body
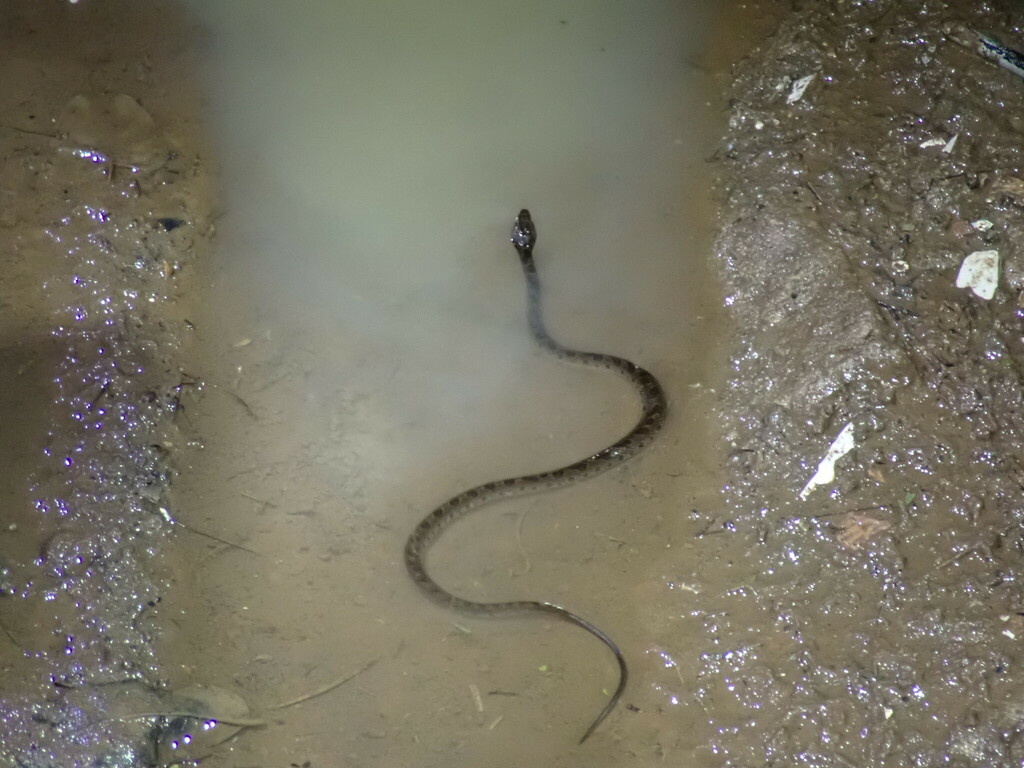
point(654, 408)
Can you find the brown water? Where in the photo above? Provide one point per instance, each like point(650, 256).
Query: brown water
point(224, 413)
point(369, 311)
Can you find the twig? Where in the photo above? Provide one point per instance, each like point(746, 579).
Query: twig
point(10, 636)
point(240, 722)
point(218, 539)
point(242, 402)
point(246, 722)
point(328, 688)
point(31, 132)
point(706, 530)
point(166, 516)
point(475, 693)
point(519, 542)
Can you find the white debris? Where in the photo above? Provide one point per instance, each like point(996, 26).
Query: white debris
point(980, 273)
point(842, 445)
point(982, 225)
point(946, 144)
point(797, 91)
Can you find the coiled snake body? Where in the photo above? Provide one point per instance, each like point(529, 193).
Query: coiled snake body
point(652, 398)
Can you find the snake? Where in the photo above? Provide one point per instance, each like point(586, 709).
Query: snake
point(654, 408)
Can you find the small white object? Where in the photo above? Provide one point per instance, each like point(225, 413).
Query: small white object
point(982, 225)
point(842, 445)
point(980, 274)
point(797, 91)
point(887, 712)
point(1009, 634)
point(946, 144)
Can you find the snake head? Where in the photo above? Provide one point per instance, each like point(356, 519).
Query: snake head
point(524, 234)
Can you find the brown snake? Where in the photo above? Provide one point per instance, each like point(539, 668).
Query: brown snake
point(652, 399)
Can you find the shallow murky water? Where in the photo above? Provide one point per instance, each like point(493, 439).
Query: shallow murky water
point(368, 357)
point(243, 407)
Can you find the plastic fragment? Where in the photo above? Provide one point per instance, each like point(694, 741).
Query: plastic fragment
point(980, 274)
point(842, 445)
point(988, 47)
point(797, 91)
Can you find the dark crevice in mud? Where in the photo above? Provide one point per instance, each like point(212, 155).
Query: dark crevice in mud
point(877, 618)
point(97, 156)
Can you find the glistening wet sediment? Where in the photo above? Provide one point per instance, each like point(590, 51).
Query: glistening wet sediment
point(105, 206)
point(878, 621)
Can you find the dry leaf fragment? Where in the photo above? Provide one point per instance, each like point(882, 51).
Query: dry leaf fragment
point(856, 529)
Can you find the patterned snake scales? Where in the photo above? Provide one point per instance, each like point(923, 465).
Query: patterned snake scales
point(652, 398)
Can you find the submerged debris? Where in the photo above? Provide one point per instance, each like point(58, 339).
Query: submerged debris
point(856, 530)
point(988, 47)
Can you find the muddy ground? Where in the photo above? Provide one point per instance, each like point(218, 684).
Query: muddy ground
point(873, 619)
point(888, 601)
point(104, 205)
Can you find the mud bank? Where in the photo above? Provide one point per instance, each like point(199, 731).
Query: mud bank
point(877, 618)
point(104, 210)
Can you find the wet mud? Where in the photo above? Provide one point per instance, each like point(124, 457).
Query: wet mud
point(103, 207)
point(875, 618)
